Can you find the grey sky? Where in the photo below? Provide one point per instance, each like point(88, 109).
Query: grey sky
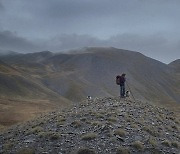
point(148, 26)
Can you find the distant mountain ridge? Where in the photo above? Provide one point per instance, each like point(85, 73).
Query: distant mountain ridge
point(92, 72)
point(72, 76)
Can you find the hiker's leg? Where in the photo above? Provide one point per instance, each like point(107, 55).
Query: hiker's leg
point(123, 90)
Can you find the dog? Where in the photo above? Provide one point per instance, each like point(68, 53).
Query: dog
point(127, 93)
point(89, 97)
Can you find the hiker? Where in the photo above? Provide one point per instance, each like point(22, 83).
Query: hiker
point(120, 80)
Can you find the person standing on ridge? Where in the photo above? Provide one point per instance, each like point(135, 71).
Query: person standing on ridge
point(120, 80)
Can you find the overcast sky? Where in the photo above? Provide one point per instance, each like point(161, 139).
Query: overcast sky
point(151, 27)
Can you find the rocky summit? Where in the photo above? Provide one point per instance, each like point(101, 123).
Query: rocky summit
point(97, 126)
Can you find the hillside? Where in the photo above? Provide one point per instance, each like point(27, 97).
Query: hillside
point(16, 84)
point(175, 65)
point(61, 78)
point(97, 126)
point(92, 71)
point(22, 97)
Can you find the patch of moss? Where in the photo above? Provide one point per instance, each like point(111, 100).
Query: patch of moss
point(54, 136)
point(166, 143)
point(120, 132)
point(96, 123)
point(122, 150)
point(61, 119)
point(152, 141)
point(112, 119)
point(50, 135)
point(99, 115)
point(76, 123)
point(89, 136)
point(174, 127)
point(151, 131)
point(35, 130)
point(134, 125)
point(26, 151)
point(138, 145)
point(8, 146)
point(175, 144)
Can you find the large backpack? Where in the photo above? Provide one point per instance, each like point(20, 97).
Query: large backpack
point(118, 79)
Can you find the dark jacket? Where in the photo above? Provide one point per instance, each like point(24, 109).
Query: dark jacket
point(122, 80)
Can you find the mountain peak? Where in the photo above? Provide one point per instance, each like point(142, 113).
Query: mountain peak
point(175, 62)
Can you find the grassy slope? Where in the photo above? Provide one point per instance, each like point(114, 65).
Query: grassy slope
point(45, 76)
point(23, 97)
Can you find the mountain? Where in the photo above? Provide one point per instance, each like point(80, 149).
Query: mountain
point(72, 76)
point(92, 71)
point(97, 126)
point(175, 65)
point(7, 52)
point(23, 97)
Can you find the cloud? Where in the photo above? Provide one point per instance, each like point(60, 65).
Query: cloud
point(11, 41)
point(156, 45)
point(71, 41)
point(101, 18)
point(1, 6)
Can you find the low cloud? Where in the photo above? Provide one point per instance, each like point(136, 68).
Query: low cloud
point(2, 8)
point(11, 41)
point(156, 46)
point(1, 5)
point(71, 41)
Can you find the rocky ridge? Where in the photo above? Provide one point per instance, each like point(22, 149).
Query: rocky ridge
point(100, 125)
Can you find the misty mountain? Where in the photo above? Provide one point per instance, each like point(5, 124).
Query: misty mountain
point(33, 83)
point(7, 52)
point(92, 71)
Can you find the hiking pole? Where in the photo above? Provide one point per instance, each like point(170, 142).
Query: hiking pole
point(131, 91)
